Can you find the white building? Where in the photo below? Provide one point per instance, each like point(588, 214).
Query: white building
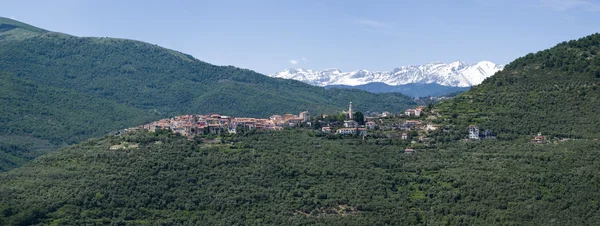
point(432, 127)
point(346, 131)
point(413, 112)
point(473, 132)
point(350, 111)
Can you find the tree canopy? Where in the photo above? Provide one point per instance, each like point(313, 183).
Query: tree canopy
point(295, 177)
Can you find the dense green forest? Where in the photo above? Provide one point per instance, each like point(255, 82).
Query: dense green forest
point(59, 89)
point(555, 92)
point(35, 118)
point(298, 177)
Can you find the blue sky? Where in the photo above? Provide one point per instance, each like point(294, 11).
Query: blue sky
point(270, 35)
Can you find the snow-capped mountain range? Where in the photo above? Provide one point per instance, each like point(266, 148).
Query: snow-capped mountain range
point(457, 74)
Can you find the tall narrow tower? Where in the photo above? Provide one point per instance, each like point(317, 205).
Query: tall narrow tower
point(350, 111)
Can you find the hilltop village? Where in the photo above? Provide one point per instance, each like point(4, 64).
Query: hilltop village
point(414, 125)
point(349, 124)
point(192, 125)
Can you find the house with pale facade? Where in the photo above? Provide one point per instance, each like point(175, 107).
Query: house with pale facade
point(346, 131)
point(431, 127)
point(539, 139)
point(413, 112)
point(473, 132)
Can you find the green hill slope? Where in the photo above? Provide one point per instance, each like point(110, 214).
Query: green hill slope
point(555, 92)
point(35, 118)
point(292, 177)
point(146, 82)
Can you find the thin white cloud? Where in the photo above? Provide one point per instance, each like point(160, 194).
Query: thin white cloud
point(377, 27)
point(12, 17)
point(370, 23)
point(562, 5)
point(293, 62)
point(304, 59)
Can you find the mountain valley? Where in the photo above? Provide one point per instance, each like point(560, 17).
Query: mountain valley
point(122, 132)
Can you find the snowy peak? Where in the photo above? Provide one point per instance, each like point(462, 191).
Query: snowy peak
point(456, 74)
point(457, 65)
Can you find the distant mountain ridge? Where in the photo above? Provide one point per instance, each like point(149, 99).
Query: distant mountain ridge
point(456, 74)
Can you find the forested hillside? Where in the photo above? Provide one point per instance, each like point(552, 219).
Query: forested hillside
point(296, 177)
point(65, 89)
point(555, 92)
point(35, 118)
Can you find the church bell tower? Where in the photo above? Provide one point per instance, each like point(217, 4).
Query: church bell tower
point(350, 111)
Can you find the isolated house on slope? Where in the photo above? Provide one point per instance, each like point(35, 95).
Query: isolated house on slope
point(539, 139)
point(473, 132)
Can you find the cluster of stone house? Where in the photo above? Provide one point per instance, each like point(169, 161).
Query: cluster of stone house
point(350, 127)
point(382, 114)
point(190, 125)
point(410, 125)
point(417, 112)
point(353, 127)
